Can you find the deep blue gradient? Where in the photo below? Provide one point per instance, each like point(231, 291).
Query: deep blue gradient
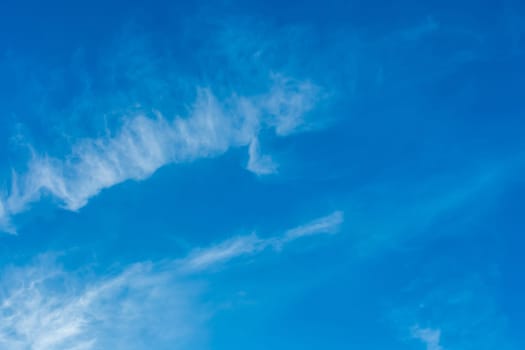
point(415, 132)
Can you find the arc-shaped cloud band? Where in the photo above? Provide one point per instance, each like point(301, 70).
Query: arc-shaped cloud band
point(145, 143)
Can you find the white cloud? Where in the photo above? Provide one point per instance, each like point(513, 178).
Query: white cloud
point(327, 224)
point(202, 259)
point(43, 307)
point(206, 258)
point(258, 163)
point(287, 107)
point(145, 306)
point(430, 337)
point(5, 224)
point(145, 143)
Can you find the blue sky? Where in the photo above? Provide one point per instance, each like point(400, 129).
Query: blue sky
point(232, 175)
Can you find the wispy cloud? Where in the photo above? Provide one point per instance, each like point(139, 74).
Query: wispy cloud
point(441, 204)
point(286, 110)
point(327, 224)
point(428, 26)
point(430, 337)
point(145, 143)
point(5, 225)
point(258, 163)
point(44, 307)
point(447, 310)
point(206, 258)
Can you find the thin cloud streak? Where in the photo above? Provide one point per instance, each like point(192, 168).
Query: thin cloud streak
point(206, 258)
point(328, 224)
point(216, 255)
